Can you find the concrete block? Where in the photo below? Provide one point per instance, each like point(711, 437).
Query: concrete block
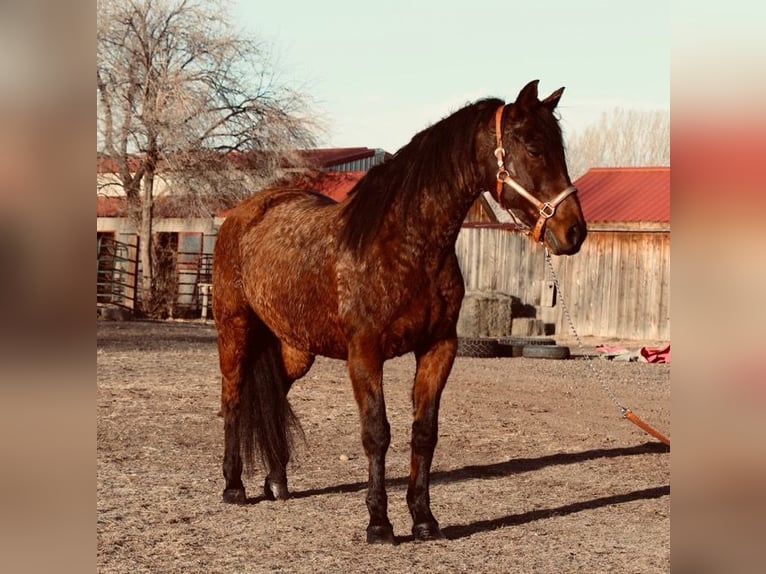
point(527, 327)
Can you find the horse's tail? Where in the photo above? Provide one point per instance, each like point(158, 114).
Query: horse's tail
point(267, 423)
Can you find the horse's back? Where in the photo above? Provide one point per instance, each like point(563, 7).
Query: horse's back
point(278, 252)
point(246, 216)
point(258, 205)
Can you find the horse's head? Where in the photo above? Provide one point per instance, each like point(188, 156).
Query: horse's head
point(533, 181)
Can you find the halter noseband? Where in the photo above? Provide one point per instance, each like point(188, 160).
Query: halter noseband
point(546, 209)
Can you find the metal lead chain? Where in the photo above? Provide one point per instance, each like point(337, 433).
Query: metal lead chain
point(589, 358)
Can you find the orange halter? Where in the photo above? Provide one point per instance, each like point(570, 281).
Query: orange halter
point(546, 209)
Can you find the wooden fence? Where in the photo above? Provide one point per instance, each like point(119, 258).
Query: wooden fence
point(617, 286)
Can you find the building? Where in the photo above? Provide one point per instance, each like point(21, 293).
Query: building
point(620, 282)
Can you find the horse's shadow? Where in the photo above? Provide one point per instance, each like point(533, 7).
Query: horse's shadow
point(510, 467)
point(466, 530)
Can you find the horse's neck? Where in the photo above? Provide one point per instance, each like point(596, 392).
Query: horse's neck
point(433, 217)
point(422, 195)
point(435, 212)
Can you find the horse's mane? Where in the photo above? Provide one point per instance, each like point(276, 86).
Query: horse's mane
point(436, 157)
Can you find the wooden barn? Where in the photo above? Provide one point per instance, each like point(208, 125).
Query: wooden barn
point(617, 286)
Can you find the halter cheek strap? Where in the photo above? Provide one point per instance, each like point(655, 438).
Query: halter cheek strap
point(500, 153)
point(545, 209)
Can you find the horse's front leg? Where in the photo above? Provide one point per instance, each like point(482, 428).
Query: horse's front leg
point(365, 367)
point(433, 368)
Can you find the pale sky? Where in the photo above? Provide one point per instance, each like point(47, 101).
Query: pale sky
point(381, 71)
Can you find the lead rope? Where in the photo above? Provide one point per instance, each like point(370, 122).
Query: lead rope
point(626, 412)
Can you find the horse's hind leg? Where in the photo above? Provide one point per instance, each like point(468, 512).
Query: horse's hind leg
point(433, 368)
point(232, 349)
point(296, 364)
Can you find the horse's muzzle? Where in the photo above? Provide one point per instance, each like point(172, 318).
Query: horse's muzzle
point(570, 243)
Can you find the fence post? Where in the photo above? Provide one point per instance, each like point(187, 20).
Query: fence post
point(206, 290)
point(131, 291)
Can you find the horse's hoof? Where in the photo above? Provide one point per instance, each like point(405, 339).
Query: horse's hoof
point(234, 496)
point(427, 531)
point(380, 534)
point(275, 490)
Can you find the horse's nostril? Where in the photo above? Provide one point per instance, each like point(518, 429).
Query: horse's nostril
point(575, 235)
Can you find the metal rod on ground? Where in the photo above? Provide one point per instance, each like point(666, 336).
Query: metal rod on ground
point(626, 412)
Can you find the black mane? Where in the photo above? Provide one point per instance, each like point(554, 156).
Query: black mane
point(436, 157)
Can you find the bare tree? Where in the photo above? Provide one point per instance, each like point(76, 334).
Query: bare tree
point(622, 137)
point(184, 100)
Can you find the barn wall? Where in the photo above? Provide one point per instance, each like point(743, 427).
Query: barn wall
point(618, 285)
point(497, 260)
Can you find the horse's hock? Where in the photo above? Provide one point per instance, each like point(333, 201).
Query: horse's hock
point(485, 314)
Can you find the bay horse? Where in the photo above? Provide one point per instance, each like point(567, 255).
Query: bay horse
point(374, 277)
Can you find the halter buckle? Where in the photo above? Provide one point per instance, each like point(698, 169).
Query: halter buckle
point(547, 210)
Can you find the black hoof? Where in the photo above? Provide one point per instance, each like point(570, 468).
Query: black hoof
point(380, 534)
point(427, 531)
point(234, 496)
point(275, 490)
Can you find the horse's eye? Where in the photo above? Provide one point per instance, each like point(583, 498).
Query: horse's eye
point(533, 152)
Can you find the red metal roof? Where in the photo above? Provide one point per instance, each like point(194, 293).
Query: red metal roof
point(105, 164)
point(328, 157)
point(110, 206)
point(625, 194)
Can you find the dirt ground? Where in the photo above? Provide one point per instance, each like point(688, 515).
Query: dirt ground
point(535, 470)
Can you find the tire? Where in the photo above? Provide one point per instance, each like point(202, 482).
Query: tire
point(477, 347)
point(529, 340)
point(513, 346)
point(509, 349)
point(545, 352)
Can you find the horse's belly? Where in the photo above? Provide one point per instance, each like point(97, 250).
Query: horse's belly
point(402, 337)
point(289, 283)
point(303, 316)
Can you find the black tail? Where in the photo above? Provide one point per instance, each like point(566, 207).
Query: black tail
point(267, 423)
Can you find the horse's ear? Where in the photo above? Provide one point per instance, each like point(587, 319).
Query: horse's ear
point(553, 100)
point(527, 97)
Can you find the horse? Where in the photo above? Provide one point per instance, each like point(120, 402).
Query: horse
point(373, 277)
